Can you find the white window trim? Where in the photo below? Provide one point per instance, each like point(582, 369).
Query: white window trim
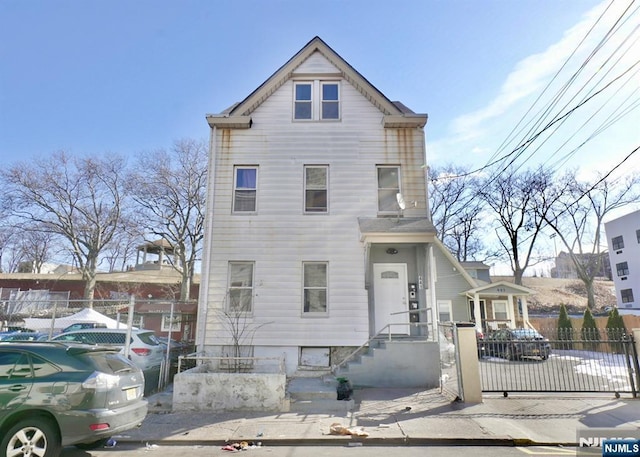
point(304, 190)
point(506, 308)
point(316, 100)
point(313, 314)
point(235, 188)
point(175, 325)
point(447, 304)
point(227, 306)
point(399, 190)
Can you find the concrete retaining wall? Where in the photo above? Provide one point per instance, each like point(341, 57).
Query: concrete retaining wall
point(200, 390)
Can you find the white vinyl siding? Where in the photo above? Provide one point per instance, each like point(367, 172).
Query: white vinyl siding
point(280, 236)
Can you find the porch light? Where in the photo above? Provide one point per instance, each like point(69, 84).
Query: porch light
point(392, 251)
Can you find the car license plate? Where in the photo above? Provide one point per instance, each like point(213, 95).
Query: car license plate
point(131, 393)
point(536, 351)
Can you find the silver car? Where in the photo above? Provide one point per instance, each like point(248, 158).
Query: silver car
point(146, 351)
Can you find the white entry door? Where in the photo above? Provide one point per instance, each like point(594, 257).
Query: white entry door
point(390, 290)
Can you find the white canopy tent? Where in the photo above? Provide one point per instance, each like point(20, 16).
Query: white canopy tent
point(85, 315)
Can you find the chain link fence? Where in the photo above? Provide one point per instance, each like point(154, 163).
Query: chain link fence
point(153, 341)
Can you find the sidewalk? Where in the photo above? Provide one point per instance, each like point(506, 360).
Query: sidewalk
point(398, 417)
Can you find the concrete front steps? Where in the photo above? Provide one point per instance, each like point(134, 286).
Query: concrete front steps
point(400, 363)
point(316, 395)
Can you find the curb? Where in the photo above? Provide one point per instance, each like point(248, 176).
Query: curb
point(348, 442)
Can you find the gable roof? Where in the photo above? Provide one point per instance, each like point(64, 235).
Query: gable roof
point(239, 115)
point(500, 288)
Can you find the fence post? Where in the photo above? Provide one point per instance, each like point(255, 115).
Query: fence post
point(468, 366)
point(127, 343)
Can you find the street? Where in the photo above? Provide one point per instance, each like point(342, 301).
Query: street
point(324, 451)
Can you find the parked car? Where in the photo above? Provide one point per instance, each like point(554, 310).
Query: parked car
point(147, 353)
point(58, 394)
point(514, 344)
point(12, 330)
point(26, 336)
point(82, 326)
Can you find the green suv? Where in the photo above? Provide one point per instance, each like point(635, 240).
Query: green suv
point(56, 394)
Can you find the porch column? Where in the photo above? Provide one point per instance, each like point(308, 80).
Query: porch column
point(477, 312)
point(512, 314)
point(525, 311)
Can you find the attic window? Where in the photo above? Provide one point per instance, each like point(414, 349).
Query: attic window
point(316, 100)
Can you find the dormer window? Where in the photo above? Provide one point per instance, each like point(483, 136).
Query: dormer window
point(316, 100)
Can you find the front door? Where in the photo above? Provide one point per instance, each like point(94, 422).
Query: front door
point(390, 290)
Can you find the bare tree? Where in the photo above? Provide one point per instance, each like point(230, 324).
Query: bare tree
point(577, 217)
point(456, 212)
point(170, 189)
point(79, 199)
point(35, 246)
point(121, 251)
point(519, 202)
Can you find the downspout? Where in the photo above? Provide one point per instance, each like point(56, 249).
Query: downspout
point(203, 302)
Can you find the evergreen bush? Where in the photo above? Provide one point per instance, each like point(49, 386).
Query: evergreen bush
point(565, 327)
point(589, 330)
point(615, 330)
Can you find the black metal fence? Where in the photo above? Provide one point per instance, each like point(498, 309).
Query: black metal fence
point(589, 360)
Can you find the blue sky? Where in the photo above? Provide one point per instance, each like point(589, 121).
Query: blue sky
point(128, 76)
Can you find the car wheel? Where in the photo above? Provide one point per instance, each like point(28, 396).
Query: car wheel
point(93, 445)
point(35, 436)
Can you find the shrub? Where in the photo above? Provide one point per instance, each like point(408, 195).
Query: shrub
point(589, 330)
point(615, 330)
point(565, 327)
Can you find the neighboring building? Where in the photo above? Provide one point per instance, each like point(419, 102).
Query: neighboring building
point(623, 238)
point(318, 235)
point(565, 268)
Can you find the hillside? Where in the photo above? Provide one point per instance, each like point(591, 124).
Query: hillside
point(551, 293)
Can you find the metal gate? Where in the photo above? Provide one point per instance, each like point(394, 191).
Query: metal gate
point(588, 360)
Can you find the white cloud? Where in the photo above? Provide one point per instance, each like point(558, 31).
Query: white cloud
point(479, 133)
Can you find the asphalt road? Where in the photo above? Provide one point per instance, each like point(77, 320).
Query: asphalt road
point(325, 451)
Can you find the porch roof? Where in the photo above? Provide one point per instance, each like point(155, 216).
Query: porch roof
point(396, 229)
point(500, 288)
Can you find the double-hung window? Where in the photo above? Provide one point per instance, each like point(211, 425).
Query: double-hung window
point(626, 295)
point(330, 101)
point(617, 242)
point(316, 186)
point(315, 285)
point(622, 268)
point(245, 190)
point(303, 108)
point(444, 310)
point(388, 188)
point(240, 287)
point(316, 100)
